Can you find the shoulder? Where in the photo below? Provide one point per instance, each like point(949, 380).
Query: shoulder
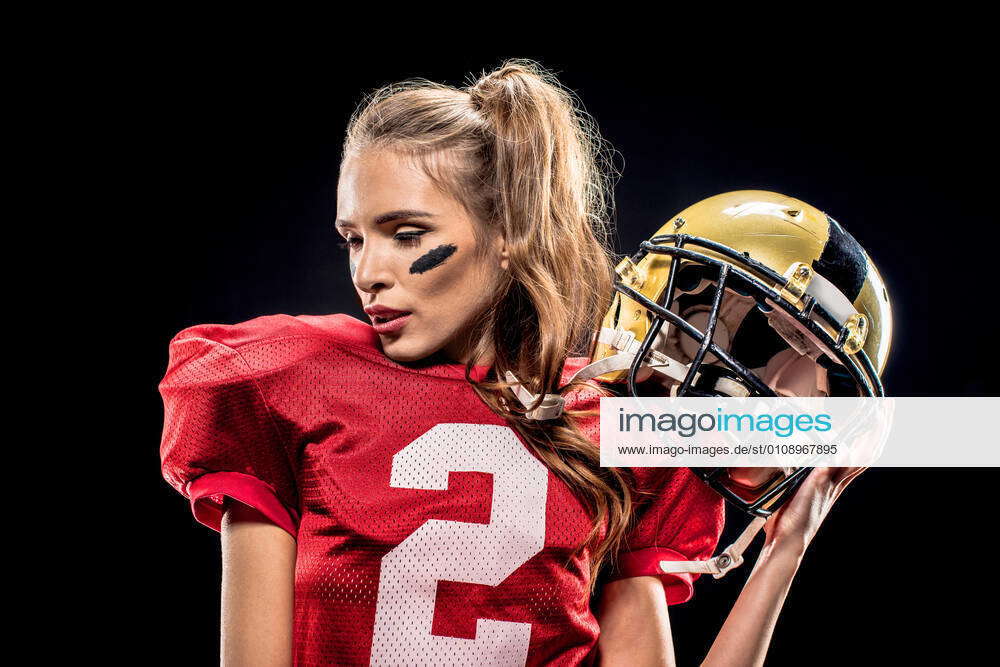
point(265, 344)
point(336, 328)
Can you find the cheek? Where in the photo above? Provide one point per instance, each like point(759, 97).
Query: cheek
point(448, 275)
point(433, 258)
point(436, 270)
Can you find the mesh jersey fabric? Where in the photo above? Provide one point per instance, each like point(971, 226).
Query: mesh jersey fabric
point(426, 529)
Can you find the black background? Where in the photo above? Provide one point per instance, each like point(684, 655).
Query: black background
point(230, 160)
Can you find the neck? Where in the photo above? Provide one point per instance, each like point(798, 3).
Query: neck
point(460, 350)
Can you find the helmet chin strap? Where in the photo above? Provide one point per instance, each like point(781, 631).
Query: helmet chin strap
point(627, 345)
point(551, 406)
point(625, 342)
point(718, 566)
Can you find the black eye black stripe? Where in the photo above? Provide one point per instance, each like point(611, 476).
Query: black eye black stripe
point(843, 262)
point(433, 258)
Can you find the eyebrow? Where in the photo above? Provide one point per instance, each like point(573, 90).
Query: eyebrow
point(391, 216)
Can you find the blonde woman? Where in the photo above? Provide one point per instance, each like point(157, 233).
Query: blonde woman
point(383, 496)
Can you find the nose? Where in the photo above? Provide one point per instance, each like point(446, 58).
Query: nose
point(371, 270)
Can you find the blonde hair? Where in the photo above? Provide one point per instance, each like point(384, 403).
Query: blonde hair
point(530, 164)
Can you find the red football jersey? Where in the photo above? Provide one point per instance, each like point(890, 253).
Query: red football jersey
point(426, 530)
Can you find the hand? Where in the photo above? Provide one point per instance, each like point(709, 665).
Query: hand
point(796, 522)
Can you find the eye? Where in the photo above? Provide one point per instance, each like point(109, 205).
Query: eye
point(409, 238)
point(350, 242)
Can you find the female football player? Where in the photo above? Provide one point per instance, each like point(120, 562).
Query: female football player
point(383, 494)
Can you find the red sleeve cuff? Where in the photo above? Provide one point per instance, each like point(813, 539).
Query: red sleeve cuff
point(679, 586)
point(208, 493)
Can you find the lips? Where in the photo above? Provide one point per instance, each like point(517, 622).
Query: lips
point(387, 320)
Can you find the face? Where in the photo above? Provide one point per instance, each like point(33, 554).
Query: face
point(412, 256)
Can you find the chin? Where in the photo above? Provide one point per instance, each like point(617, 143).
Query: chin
point(403, 351)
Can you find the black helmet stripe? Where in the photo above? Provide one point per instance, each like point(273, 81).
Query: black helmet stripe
point(843, 262)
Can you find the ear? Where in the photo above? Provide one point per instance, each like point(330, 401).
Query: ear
point(500, 247)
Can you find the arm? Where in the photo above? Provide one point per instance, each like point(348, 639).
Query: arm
point(258, 576)
point(746, 634)
point(635, 623)
point(635, 626)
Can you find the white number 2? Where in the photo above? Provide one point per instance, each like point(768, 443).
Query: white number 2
point(458, 551)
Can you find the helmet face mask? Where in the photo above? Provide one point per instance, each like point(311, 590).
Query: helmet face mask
point(714, 318)
point(737, 273)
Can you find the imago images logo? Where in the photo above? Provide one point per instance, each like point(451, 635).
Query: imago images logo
point(687, 424)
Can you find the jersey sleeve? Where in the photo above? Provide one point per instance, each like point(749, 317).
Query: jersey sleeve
point(219, 437)
point(679, 518)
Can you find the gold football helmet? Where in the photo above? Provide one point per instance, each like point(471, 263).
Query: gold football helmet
point(747, 293)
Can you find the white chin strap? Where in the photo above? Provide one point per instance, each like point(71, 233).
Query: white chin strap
point(717, 566)
point(551, 406)
point(625, 342)
point(627, 346)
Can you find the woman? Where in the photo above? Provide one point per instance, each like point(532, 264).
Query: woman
point(382, 496)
